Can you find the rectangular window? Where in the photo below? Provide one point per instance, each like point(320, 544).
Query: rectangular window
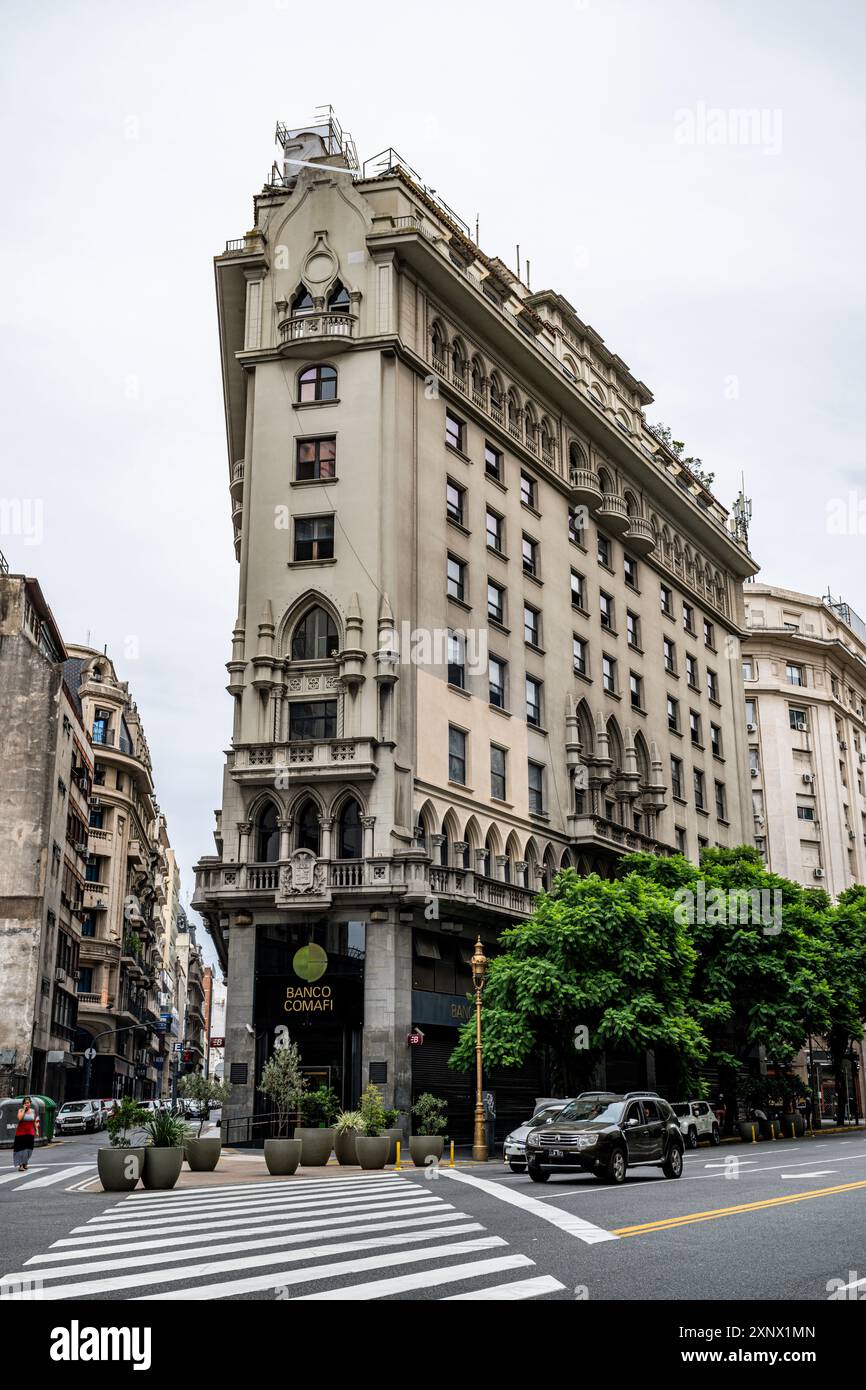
point(691, 672)
point(494, 525)
point(682, 845)
point(456, 578)
point(456, 755)
point(632, 627)
point(716, 740)
point(748, 670)
point(496, 681)
point(579, 650)
point(533, 702)
point(794, 674)
point(536, 788)
point(531, 625)
point(312, 720)
point(630, 571)
point(669, 652)
point(578, 590)
point(666, 599)
point(673, 714)
point(575, 526)
point(751, 711)
point(700, 799)
point(455, 498)
point(530, 555)
point(603, 550)
point(454, 431)
point(754, 759)
point(805, 813)
point(314, 538)
point(721, 807)
point(709, 634)
point(316, 458)
point(606, 610)
point(528, 490)
point(492, 461)
point(635, 685)
point(695, 726)
point(689, 618)
point(608, 674)
point(495, 602)
point(712, 685)
point(457, 660)
point(497, 772)
point(677, 778)
point(797, 718)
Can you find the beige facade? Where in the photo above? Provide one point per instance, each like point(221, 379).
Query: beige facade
point(804, 670)
point(488, 625)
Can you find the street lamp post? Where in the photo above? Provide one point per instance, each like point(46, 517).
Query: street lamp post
point(479, 969)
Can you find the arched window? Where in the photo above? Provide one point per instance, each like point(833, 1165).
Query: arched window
point(317, 384)
point(267, 835)
point(477, 377)
point(315, 637)
point(303, 301)
point(338, 299)
point(438, 342)
point(308, 827)
point(350, 833)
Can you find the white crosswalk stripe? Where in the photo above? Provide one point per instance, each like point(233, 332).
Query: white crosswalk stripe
point(47, 1178)
point(347, 1238)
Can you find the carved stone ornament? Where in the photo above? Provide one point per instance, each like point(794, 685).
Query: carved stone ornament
point(303, 874)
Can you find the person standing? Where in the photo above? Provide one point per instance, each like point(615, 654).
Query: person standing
point(26, 1133)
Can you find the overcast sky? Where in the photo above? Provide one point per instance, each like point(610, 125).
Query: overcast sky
point(723, 263)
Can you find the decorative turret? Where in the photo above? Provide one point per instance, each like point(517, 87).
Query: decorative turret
point(237, 665)
point(387, 653)
point(264, 660)
point(353, 655)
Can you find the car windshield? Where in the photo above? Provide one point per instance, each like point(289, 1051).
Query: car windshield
point(77, 1105)
point(542, 1116)
point(605, 1111)
point(681, 1109)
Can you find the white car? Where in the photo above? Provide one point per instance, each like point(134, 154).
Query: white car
point(514, 1148)
point(78, 1117)
point(696, 1121)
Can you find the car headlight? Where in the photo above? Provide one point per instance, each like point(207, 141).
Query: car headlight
point(534, 1141)
point(586, 1141)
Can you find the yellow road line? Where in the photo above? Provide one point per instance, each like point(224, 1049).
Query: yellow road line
point(671, 1222)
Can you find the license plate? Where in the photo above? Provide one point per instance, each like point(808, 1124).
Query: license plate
point(556, 1153)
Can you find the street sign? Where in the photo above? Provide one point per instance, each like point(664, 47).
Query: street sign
point(217, 1042)
point(178, 1047)
point(90, 1053)
point(415, 1038)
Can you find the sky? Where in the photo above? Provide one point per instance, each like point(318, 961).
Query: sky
point(687, 173)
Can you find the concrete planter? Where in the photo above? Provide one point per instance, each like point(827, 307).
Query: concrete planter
point(749, 1129)
point(395, 1136)
point(282, 1156)
point(316, 1146)
point(344, 1147)
point(421, 1146)
point(114, 1168)
point(793, 1126)
point(372, 1150)
point(162, 1167)
point(202, 1155)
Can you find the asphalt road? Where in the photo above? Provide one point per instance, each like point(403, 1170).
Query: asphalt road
point(778, 1221)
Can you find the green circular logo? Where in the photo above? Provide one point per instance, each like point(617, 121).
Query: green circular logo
point(310, 962)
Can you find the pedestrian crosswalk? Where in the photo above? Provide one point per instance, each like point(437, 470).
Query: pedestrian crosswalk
point(359, 1238)
point(45, 1175)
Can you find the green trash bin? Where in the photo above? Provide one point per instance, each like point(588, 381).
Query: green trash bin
point(46, 1109)
point(47, 1117)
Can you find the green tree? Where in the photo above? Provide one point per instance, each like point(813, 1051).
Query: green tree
point(283, 1082)
point(845, 939)
point(206, 1091)
point(606, 956)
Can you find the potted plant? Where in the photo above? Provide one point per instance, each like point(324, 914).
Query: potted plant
point(394, 1133)
point(318, 1112)
point(348, 1127)
point(283, 1082)
point(120, 1163)
point(371, 1142)
point(429, 1115)
point(163, 1157)
point(202, 1155)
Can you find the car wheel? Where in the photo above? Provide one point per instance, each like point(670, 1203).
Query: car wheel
point(517, 1167)
point(673, 1164)
point(715, 1136)
point(692, 1137)
point(616, 1166)
point(537, 1174)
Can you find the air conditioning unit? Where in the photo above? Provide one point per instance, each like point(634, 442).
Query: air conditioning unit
point(95, 801)
point(59, 975)
point(819, 873)
point(843, 745)
point(808, 777)
point(754, 771)
point(751, 728)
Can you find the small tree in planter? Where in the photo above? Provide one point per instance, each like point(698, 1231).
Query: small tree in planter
point(202, 1155)
point(372, 1144)
point(284, 1084)
point(120, 1164)
point(320, 1107)
point(348, 1127)
point(430, 1121)
point(163, 1156)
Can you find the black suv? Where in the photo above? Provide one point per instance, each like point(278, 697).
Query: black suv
point(604, 1134)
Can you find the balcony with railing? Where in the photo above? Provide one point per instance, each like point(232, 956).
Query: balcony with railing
point(327, 327)
point(327, 758)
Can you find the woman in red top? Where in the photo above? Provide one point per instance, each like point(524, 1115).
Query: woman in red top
point(25, 1134)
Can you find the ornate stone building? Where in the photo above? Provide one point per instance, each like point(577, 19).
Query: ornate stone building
point(488, 625)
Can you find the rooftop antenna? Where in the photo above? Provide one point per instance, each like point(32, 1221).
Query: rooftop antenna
point(527, 272)
point(518, 260)
point(741, 514)
point(477, 242)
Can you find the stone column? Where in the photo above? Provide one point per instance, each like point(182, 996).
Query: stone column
point(244, 831)
point(437, 841)
point(501, 861)
point(285, 837)
point(240, 1045)
point(327, 824)
point(388, 1006)
point(520, 869)
point(368, 823)
point(481, 861)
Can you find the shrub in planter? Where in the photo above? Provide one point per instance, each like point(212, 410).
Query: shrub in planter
point(163, 1156)
point(121, 1163)
point(394, 1132)
point(347, 1128)
point(429, 1116)
point(372, 1144)
point(319, 1108)
point(202, 1155)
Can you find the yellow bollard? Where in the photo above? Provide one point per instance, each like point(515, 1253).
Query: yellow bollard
point(397, 1164)
point(451, 1159)
point(773, 1129)
point(754, 1140)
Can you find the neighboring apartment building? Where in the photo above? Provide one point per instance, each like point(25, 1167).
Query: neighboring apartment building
point(190, 965)
point(124, 892)
point(46, 769)
point(804, 670)
point(488, 626)
point(216, 1041)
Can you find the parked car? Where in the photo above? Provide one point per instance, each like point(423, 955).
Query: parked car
point(606, 1134)
point(514, 1148)
point(152, 1106)
point(78, 1117)
point(697, 1121)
